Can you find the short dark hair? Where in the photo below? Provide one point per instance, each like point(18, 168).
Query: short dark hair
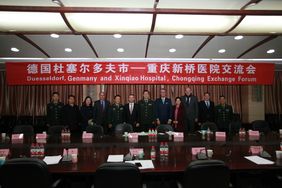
point(146, 91)
point(117, 96)
point(131, 94)
point(207, 93)
point(71, 96)
point(177, 98)
point(55, 93)
point(222, 96)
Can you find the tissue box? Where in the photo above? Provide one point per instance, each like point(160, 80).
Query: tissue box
point(178, 136)
point(197, 150)
point(86, 135)
point(41, 138)
point(17, 138)
point(220, 136)
point(256, 150)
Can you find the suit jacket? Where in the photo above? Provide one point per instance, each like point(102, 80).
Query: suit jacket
point(191, 107)
point(131, 118)
point(180, 118)
point(71, 117)
point(146, 112)
point(116, 114)
point(163, 110)
point(100, 115)
point(205, 113)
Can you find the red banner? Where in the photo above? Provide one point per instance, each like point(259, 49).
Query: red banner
point(37, 73)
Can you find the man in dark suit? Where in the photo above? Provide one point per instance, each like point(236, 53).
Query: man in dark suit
point(163, 108)
point(115, 114)
point(71, 115)
point(190, 103)
point(100, 112)
point(131, 113)
point(206, 109)
point(54, 110)
point(146, 116)
point(223, 115)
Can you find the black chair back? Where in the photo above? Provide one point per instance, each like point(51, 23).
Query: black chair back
point(113, 175)
point(123, 127)
point(210, 125)
point(55, 130)
point(164, 128)
point(25, 172)
point(206, 173)
point(25, 129)
point(260, 125)
point(95, 129)
point(235, 126)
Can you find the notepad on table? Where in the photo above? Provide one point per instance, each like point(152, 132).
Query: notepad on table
point(50, 160)
point(259, 160)
point(115, 158)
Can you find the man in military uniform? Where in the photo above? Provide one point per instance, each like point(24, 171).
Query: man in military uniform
point(54, 110)
point(116, 114)
point(146, 116)
point(223, 114)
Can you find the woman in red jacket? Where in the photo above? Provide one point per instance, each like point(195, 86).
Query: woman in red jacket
point(178, 113)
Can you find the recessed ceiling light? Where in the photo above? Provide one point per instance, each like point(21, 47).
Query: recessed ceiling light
point(13, 49)
point(179, 36)
point(270, 51)
point(58, 2)
point(54, 35)
point(117, 36)
point(172, 50)
point(272, 32)
point(221, 51)
point(239, 37)
point(120, 50)
point(68, 50)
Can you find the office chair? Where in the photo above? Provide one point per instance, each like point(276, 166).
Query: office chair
point(25, 172)
point(210, 125)
point(260, 125)
point(164, 128)
point(113, 175)
point(55, 130)
point(123, 127)
point(95, 129)
point(206, 173)
point(25, 129)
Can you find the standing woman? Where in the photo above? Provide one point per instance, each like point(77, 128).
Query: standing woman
point(178, 115)
point(86, 111)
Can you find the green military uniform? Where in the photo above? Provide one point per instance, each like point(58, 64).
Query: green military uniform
point(223, 116)
point(116, 115)
point(54, 113)
point(146, 115)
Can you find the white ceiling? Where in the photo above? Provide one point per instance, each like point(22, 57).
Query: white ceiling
point(137, 38)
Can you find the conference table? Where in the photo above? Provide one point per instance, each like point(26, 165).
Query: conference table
point(231, 150)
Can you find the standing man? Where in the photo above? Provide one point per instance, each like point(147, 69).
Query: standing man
point(190, 103)
point(115, 114)
point(100, 112)
point(71, 115)
point(223, 114)
point(54, 110)
point(131, 113)
point(163, 107)
point(206, 109)
point(146, 112)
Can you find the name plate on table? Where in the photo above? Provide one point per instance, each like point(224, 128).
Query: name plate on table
point(4, 152)
point(17, 138)
point(136, 151)
point(256, 150)
point(197, 150)
point(133, 135)
point(70, 151)
point(41, 136)
point(253, 133)
point(86, 135)
point(178, 136)
point(220, 136)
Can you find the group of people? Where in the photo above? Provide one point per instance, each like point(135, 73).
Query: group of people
point(186, 115)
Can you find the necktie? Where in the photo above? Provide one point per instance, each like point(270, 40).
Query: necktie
point(103, 105)
point(131, 108)
point(208, 104)
point(163, 101)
